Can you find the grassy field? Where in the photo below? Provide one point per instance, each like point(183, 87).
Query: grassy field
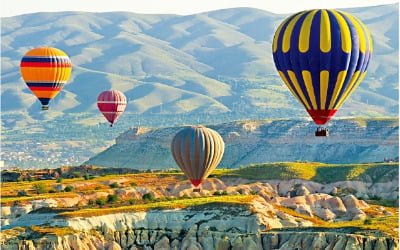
point(174, 204)
point(318, 172)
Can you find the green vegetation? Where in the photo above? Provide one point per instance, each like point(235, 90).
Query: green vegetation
point(58, 231)
point(148, 197)
point(318, 172)
point(383, 224)
point(7, 200)
point(114, 185)
point(40, 188)
point(68, 188)
point(173, 204)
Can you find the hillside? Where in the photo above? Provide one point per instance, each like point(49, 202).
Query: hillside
point(205, 63)
point(263, 141)
point(201, 68)
point(246, 207)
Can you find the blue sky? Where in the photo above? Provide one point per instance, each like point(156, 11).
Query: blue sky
point(182, 7)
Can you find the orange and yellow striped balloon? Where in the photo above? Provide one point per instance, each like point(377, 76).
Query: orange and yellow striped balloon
point(45, 70)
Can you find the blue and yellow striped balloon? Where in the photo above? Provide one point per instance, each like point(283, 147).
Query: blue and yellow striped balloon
point(322, 56)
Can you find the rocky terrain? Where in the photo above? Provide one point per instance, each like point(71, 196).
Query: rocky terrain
point(259, 141)
point(272, 214)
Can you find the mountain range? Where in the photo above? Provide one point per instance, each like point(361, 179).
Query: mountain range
point(201, 66)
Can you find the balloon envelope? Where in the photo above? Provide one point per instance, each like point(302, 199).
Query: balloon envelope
point(45, 70)
point(322, 56)
point(197, 151)
point(112, 104)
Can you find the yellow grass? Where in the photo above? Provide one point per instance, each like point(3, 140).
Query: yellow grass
point(8, 200)
point(58, 231)
point(388, 225)
point(175, 204)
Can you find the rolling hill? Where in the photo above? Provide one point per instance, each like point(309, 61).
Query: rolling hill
point(203, 68)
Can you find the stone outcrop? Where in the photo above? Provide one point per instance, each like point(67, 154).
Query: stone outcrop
point(305, 197)
point(197, 240)
point(261, 141)
point(258, 225)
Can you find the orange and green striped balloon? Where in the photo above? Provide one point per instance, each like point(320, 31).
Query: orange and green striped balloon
point(322, 56)
point(45, 70)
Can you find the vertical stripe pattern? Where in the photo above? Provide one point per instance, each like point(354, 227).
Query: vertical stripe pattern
point(197, 151)
point(45, 70)
point(112, 104)
point(322, 56)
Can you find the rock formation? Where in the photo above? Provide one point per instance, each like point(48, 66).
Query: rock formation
point(261, 141)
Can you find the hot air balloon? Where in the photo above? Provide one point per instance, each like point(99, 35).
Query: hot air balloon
point(45, 70)
point(112, 104)
point(197, 151)
point(322, 56)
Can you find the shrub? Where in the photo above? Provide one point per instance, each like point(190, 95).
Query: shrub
point(375, 198)
point(131, 201)
point(367, 221)
point(40, 188)
point(252, 192)
point(114, 185)
point(112, 198)
point(86, 177)
point(97, 188)
point(148, 197)
point(77, 174)
point(22, 193)
point(133, 184)
point(59, 180)
point(101, 201)
point(217, 193)
point(68, 188)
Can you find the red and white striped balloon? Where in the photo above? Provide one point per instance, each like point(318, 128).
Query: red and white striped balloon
point(112, 104)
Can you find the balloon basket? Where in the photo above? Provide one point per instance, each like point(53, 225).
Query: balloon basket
point(196, 190)
point(45, 108)
point(322, 132)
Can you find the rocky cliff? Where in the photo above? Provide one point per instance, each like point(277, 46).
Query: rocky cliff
point(261, 141)
point(262, 223)
point(135, 239)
